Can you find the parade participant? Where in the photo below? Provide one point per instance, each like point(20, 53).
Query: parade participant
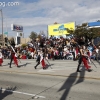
point(89, 57)
point(83, 58)
point(37, 60)
point(97, 53)
point(52, 53)
point(40, 59)
point(13, 58)
point(1, 58)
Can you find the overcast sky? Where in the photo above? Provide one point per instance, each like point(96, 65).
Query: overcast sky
point(35, 15)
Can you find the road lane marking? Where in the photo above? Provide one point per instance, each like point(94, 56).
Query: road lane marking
point(33, 95)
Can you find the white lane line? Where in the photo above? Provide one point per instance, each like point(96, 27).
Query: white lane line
point(34, 95)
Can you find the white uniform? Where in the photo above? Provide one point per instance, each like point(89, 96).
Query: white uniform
point(1, 58)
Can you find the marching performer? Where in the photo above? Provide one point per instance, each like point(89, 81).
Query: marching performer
point(1, 58)
point(40, 59)
point(83, 58)
point(37, 60)
point(13, 58)
point(13, 54)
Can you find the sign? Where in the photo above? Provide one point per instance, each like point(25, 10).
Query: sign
point(60, 29)
point(17, 28)
point(93, 24)
point(6, 33)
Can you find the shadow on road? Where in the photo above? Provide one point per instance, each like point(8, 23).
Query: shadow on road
point(20, 65)
point(71, 82)
point(49, 66)
point(6, 92)
point(24, 65)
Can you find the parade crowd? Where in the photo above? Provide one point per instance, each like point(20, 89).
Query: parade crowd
point(54, 49)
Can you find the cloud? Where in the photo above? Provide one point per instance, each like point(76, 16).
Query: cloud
point(35, 16)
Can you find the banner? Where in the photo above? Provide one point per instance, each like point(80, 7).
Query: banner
point(60, 29)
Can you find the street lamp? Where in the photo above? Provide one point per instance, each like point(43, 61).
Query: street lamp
point(2, 25)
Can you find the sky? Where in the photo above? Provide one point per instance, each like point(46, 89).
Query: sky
point(36, 15)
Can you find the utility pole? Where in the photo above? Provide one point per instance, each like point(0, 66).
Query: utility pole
point(2, 26)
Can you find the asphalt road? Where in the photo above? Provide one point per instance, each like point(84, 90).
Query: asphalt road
point(23, 86)
point(61, 82)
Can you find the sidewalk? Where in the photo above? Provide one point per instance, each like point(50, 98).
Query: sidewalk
point(63, 68)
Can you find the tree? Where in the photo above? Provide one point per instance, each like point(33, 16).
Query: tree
point(21, 34)
point(98, 20)
point(81, 30)
point(23, 45)
point(86, 32)
point(41, 35)
point(55, 23)
point(70, 31)
point(33, 35)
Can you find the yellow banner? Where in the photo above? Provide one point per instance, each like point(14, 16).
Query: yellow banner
point(60, 29)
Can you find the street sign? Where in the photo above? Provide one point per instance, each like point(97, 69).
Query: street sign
point(6, 33)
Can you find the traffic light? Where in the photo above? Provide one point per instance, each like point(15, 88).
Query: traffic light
point(6, 39)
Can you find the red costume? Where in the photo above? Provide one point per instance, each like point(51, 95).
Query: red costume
point(83, 58)
point(85, 61)
point(15, 60)
point(13, 57)
point(1, 59)
point(42, 61)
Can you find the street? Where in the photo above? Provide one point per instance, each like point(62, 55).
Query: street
point(26, 83)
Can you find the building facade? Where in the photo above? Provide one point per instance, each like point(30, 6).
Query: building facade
point(22, 40)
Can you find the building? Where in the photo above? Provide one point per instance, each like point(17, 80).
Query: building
point(22, 40)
